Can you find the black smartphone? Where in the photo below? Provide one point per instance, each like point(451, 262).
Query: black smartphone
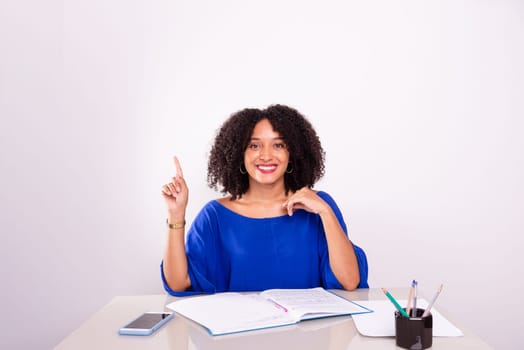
point(146, 323)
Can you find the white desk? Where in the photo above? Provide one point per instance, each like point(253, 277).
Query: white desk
point(335, 333)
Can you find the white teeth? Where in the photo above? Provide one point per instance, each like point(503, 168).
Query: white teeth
point(263, 167)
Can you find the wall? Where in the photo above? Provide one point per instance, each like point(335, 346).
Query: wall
point(418, 104)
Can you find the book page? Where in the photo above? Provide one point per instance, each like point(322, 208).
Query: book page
point(224, 313)
point(313, 302)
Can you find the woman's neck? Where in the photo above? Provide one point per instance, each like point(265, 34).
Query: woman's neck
point(265, 193)
point(259, 202)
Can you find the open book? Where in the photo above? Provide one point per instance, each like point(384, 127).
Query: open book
point(224, 313)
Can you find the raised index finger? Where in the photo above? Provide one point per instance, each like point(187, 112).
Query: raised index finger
point(178, 167)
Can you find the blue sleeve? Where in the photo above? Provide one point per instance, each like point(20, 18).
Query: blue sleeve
point(172, 292)
point(330, 281)
point(362, 266)
point(201, 255)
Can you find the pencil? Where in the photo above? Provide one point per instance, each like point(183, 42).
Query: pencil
point(410, 298)
point(399, 308)
point(426, 312)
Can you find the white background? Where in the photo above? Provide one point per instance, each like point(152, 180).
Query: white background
point(419, 105)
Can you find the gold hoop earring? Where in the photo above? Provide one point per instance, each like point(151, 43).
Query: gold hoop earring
point(243, 172)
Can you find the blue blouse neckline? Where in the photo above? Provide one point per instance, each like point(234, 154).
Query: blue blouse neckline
point(226, 209)
point(223, 207)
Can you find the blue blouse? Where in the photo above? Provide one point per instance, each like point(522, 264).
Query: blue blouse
point(230, 252)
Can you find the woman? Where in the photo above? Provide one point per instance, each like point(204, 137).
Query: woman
point(271, 230)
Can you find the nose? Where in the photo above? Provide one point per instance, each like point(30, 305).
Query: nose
point(265, 154)
point(264, 157)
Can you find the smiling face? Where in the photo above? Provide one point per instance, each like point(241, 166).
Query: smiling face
point(266, 156)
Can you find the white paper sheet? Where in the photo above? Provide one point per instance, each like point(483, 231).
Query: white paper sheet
point(381, 322)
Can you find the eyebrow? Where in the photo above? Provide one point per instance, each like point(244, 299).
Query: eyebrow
point(275, 138)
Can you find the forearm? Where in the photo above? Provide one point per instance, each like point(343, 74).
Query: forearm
point(342, 258)
point(175, 259)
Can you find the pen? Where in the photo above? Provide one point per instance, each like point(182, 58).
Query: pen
point(278, 306)
point(414, 312)
point(399, 308)
point(410, 298)
point(426, 312)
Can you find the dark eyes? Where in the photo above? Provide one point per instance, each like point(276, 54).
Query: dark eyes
point(256, 146)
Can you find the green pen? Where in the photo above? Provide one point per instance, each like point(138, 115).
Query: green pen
point(399, 308)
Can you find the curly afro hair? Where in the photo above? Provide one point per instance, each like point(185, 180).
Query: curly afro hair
point(306, 155)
